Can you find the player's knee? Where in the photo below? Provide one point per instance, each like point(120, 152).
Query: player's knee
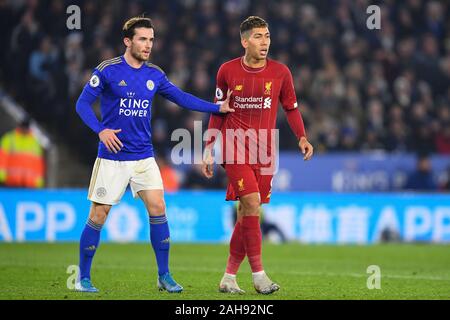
point(99, 213)
point(250, 206)
point(157, 207)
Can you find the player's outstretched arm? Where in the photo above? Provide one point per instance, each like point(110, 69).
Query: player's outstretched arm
point(185, 100)
point(225, 105)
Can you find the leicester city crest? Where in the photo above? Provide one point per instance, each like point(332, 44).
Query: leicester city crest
point(150, 85)
point(101, 192)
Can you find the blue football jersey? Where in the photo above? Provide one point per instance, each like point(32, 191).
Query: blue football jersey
point(126, 96)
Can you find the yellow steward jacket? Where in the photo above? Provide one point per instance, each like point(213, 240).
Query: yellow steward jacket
point(21, 160)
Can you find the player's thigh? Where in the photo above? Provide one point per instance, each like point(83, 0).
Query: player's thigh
point(154, 201)
point(146, 176)
point(242, 179)
point(265, 187)
point(109, 181)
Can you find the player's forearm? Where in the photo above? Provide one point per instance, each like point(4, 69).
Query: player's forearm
point(214, 126)
point(86, 113)
point(295, 121)
point(190, 102)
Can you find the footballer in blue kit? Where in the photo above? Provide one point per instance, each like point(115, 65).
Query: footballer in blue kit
point(126, 86)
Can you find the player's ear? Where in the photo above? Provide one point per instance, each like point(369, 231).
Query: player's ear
point(127, 41)
point(244, 42)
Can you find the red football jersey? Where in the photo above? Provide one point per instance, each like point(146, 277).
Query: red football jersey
point(255, 98)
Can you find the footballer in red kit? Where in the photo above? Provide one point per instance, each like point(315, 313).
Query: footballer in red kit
point(256, 92)
point(248, 137)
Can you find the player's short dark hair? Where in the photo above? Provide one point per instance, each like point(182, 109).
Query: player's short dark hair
point(252, 22)
point(136, 22)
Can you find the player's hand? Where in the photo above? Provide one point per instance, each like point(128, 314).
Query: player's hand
point(110, 140)
point(208, 164)
point(225, 105)
point(306, 148)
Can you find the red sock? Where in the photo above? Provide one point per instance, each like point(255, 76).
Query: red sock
point(251, 233)
point(237, 250)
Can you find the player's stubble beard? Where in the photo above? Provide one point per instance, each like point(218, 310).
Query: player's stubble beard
point(254, 57)
point(138, 55)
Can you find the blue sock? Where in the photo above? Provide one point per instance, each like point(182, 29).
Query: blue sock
point(160, 238)
point(89, 241)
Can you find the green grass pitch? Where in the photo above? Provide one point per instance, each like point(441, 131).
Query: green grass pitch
point(128, 271)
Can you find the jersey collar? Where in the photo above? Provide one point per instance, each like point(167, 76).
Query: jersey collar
point(253, 70)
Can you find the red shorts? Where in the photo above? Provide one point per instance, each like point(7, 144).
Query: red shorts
point(244, 179)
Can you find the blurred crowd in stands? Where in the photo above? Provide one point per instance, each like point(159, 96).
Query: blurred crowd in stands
point(358, 89)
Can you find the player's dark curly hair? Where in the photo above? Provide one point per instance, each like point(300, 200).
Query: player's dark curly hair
point(135, 22)
point(252, 22)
